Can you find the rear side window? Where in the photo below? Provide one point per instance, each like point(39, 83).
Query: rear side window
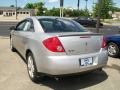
point(20, 26)
point(60, 25)
point(29, 26)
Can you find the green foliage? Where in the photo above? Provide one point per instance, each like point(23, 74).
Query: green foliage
point(106, 6)
point(67, 12)
point(29, 6)
point(40, 10)
point(39, 7)
point(53, 12)
point(12, 6)
point(76, 13)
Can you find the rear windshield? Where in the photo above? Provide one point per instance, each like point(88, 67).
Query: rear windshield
point(60, 25)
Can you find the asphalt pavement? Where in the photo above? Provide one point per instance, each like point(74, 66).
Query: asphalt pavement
point(4, 28)
point(105, 30)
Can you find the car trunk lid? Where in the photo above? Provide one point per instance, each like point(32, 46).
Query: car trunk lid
point(76, 44)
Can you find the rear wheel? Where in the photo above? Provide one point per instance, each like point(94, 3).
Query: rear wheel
point(31, 67)
point(113, 49)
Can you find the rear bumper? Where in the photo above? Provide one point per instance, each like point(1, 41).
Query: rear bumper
point(61, 65)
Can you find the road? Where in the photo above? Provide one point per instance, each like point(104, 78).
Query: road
point(4, 28)
point(13, 73)
point(106, 30)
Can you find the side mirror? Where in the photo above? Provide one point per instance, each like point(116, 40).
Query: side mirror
point(12, 28)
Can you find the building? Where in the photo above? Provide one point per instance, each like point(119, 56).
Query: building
point(10, 13)
point(116, 15)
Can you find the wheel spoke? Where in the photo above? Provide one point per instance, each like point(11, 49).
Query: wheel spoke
point(112, 50)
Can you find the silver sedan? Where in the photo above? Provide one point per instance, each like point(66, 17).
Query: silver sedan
point(57, 46)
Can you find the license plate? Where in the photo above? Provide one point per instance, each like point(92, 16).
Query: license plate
point(86, 61)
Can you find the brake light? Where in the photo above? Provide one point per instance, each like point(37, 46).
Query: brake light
point(104, 43)
point(53, 44)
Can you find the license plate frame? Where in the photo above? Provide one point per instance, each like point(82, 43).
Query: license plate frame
point(86, 61)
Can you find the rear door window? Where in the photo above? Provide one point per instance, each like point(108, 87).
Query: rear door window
point(20, 26)
point(29, 26)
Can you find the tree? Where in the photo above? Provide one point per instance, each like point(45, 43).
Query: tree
point(67, 12)
point(53, 12)
point(29, 6)
point(39, 7)
point(12, 6)
point(41, 10)
point(107, 5)
point(82, 13)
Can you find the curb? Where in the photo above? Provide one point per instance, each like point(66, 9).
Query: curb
point(10, 20)
point(2, 37)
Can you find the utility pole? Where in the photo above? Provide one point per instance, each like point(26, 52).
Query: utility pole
point(61, 8)
point(78, 5)
point(98, 15)
point(86, 4)
point(93, 3)
point(16, 7)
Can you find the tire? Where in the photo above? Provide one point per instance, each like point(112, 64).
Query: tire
point(31, 68)
point(113, 50)
point(100, 69)
point(11, 46)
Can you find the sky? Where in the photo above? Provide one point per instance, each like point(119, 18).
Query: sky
point(54, 3)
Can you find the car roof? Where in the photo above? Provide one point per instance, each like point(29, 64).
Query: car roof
point(50, 17)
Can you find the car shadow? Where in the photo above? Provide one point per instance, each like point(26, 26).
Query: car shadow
point(74, 82)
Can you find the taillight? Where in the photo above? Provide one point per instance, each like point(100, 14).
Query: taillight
point(53, 44)
point(104, 43)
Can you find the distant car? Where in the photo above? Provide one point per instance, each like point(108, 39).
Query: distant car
point(87, 22)
point(57, 46)
point(113, 45)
